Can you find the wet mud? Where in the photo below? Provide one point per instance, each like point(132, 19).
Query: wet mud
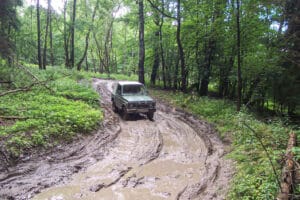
point(175, 156)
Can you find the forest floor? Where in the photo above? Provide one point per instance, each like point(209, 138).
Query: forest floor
point(175, 156)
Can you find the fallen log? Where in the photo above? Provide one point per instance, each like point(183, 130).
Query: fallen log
point(288, 171)
point(13, 117)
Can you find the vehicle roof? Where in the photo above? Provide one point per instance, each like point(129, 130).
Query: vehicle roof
point(129, 83)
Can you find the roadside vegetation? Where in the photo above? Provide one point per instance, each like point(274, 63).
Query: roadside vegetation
point(257, 146)
point(46, 107)
point(63, 105)
point(54, 107)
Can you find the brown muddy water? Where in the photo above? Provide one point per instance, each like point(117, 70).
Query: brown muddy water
point(175, 156)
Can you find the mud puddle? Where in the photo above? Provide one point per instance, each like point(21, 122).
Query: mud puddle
point(173, 157)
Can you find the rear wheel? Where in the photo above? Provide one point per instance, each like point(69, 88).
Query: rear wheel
point(150, 115)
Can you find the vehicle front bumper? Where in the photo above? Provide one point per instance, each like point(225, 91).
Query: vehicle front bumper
point(140, 110)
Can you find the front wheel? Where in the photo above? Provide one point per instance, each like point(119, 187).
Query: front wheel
point(124, 113)
point(150, 115)
point(114, 107)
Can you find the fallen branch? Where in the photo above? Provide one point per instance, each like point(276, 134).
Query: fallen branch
point(27, 71)
point(14, 91)
point(6, 82)
point(34, 76)
point(13, 117)
point(287, 176)
point(23, 89)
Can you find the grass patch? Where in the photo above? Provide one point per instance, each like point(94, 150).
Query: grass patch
point(254, 178)
point(47, 116)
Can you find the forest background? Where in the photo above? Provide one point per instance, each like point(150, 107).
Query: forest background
point(246, 52)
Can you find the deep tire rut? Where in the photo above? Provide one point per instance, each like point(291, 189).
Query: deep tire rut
point(175, 156)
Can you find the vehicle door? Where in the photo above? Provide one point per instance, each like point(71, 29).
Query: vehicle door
point(118, 97)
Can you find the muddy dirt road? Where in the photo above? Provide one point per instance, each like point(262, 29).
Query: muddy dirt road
point(173, 157)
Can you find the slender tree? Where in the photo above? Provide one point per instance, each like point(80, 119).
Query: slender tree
point(239, 74)
point(141, 42)
point(165, 69)
point(72, 56)
point(180, 49)
point(87, 37)
point(51, 34)
point(46, 35)
point(156, 60)
point(39, 34)
point(66, 36)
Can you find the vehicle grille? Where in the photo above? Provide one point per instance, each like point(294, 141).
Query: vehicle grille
point(142, 104)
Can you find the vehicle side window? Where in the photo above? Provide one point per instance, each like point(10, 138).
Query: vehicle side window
point(119, 89)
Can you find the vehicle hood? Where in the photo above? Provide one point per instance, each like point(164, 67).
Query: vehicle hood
point(135, 98)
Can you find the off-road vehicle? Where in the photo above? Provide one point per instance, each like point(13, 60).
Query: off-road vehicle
point(132, 97)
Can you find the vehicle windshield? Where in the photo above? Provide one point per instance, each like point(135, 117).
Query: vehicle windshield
point(134, 90)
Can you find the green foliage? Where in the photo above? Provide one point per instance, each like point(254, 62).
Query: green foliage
point(71, 89)
point(47, 117)
point(252, 160)
point(254, 177)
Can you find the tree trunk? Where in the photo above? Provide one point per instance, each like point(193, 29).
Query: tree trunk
point(180, 50)
point(86, 63)
point(108, 47)
point(39, 34)
point(156, 19)
point(87, 38)
point(85, 51)
point(125, 52)
point(73, 35)
point(207, 67)
point(141, 42)
point(66, 37)
point(101, 70)
point(46, 35)
point(93, 60)
point(158, 44)
point(224, 75)
point(51, 34)
point(239, 76)
point(165, 71)
point(176, 70)
point(156, 60)
point(198, 53)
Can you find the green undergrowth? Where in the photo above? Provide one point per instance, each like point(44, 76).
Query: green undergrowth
point(55, 111)
point(253, 143)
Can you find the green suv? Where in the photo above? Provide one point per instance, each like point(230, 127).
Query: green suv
point(131, 97)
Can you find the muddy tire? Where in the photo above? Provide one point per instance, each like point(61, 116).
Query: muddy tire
point(150, 115)
point(114, 107)
point(124, 113)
